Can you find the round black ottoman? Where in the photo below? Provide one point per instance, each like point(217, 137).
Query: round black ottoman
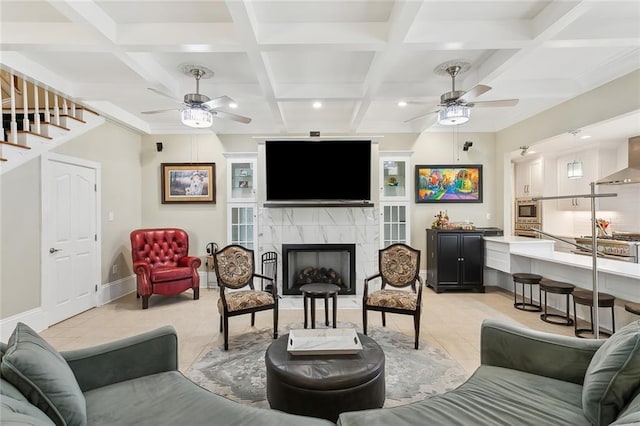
point(325, 385)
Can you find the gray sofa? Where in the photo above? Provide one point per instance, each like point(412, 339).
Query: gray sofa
point(533, 378)
point(526, 378)
point(133, 381)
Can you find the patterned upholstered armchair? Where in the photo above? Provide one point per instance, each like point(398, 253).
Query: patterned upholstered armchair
point(399, 267)
point(162, 263)
point(235, 270)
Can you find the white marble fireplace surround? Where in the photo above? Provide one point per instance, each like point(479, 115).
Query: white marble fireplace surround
point(322, 225)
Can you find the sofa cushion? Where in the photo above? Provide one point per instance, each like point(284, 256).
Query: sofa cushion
point(172, 399)
point(630, 415)
point(21, 412)
point(160, 275)
point(43, 376)
point(612, 376)
point(491, 396)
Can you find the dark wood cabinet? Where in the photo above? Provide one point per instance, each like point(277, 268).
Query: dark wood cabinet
point(455, 260)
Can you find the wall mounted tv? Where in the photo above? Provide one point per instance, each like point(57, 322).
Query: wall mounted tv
point(310, 171)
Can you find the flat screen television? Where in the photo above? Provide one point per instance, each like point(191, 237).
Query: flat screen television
point(326, 170)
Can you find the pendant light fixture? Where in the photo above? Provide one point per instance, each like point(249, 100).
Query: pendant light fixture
point(574, 168)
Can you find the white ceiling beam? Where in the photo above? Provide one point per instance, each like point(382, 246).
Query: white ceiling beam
point(401, 19)
point(547, 24)
point(246, 24)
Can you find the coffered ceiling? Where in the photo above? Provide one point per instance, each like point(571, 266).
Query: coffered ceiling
point(358, 58)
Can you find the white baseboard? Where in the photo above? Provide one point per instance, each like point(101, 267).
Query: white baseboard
point(116, 289)
point(34, 318)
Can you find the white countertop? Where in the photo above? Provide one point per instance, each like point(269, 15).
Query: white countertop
point(529, 248)
point(512, 239)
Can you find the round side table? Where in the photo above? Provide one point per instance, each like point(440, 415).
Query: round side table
point(317, 291)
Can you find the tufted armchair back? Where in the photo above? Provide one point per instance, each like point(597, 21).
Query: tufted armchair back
point(162, 263)
point(159, 247)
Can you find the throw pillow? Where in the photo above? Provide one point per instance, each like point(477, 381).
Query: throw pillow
point(43, 376)
point(612, 376)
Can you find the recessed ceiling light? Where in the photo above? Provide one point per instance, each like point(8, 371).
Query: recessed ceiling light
point(585, 136)
point(233, 105)
point(402, 104)
point(317, 105)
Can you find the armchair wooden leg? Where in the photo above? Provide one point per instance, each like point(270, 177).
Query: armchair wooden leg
point(221, 324)
point(275, 323)
point(226, 333)
point(145, 302)
point(253, 319)
point(137, 295)
point(416, 325)
point(364, 320)
point(196, 293)
point(384, 320)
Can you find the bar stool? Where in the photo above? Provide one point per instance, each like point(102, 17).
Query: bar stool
point(585, 297)
point(530, 280)
point(634, 308)
point(556, 287)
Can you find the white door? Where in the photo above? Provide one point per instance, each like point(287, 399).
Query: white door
point(70, 267)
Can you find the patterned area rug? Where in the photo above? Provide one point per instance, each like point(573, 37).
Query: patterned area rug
point(411, 375)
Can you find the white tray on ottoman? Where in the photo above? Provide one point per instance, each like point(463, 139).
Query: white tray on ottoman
point(326, 341)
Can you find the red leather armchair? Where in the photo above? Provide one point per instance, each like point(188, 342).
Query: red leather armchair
point(162, 264)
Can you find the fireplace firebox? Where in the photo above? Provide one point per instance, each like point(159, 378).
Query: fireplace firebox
point(318, 263)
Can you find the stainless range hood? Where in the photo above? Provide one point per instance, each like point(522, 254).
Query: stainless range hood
point(632, 173)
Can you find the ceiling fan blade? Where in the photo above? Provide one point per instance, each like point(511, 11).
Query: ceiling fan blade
point(497, 103)
point(474, 92)
point(159, 110)
point(218, 102)
point(163, 94)
point(231, 116)
point(421, 116)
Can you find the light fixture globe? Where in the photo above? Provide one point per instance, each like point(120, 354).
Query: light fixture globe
point(196, 117)
point(454, 114)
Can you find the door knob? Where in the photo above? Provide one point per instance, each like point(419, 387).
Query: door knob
point(53, 250)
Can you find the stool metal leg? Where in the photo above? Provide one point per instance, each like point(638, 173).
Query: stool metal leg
point(313, 312)
point(326, 310)
point(305, 301)
point(335, 308)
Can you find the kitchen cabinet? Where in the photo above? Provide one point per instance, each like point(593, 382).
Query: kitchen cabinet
point(596, 163)
point(529, 178)
point(455, 260)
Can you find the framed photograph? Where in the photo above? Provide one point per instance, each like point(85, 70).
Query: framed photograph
point(188, 183)
point(243, 184)
point(449, 183)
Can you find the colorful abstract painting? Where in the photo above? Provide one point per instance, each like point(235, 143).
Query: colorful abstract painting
point(449, 183)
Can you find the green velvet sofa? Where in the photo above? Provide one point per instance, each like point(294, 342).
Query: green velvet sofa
point(133, 381)
point(527, 377)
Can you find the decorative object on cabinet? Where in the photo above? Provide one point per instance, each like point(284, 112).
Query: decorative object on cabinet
point(455, 260)
point(398, 268)
point(188, 183)
point(449, 183)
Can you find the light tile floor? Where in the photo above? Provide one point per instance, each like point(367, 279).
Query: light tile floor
point(450, 321)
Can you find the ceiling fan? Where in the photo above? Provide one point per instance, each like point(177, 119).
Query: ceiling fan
point(198, 110)
point(456, 104)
